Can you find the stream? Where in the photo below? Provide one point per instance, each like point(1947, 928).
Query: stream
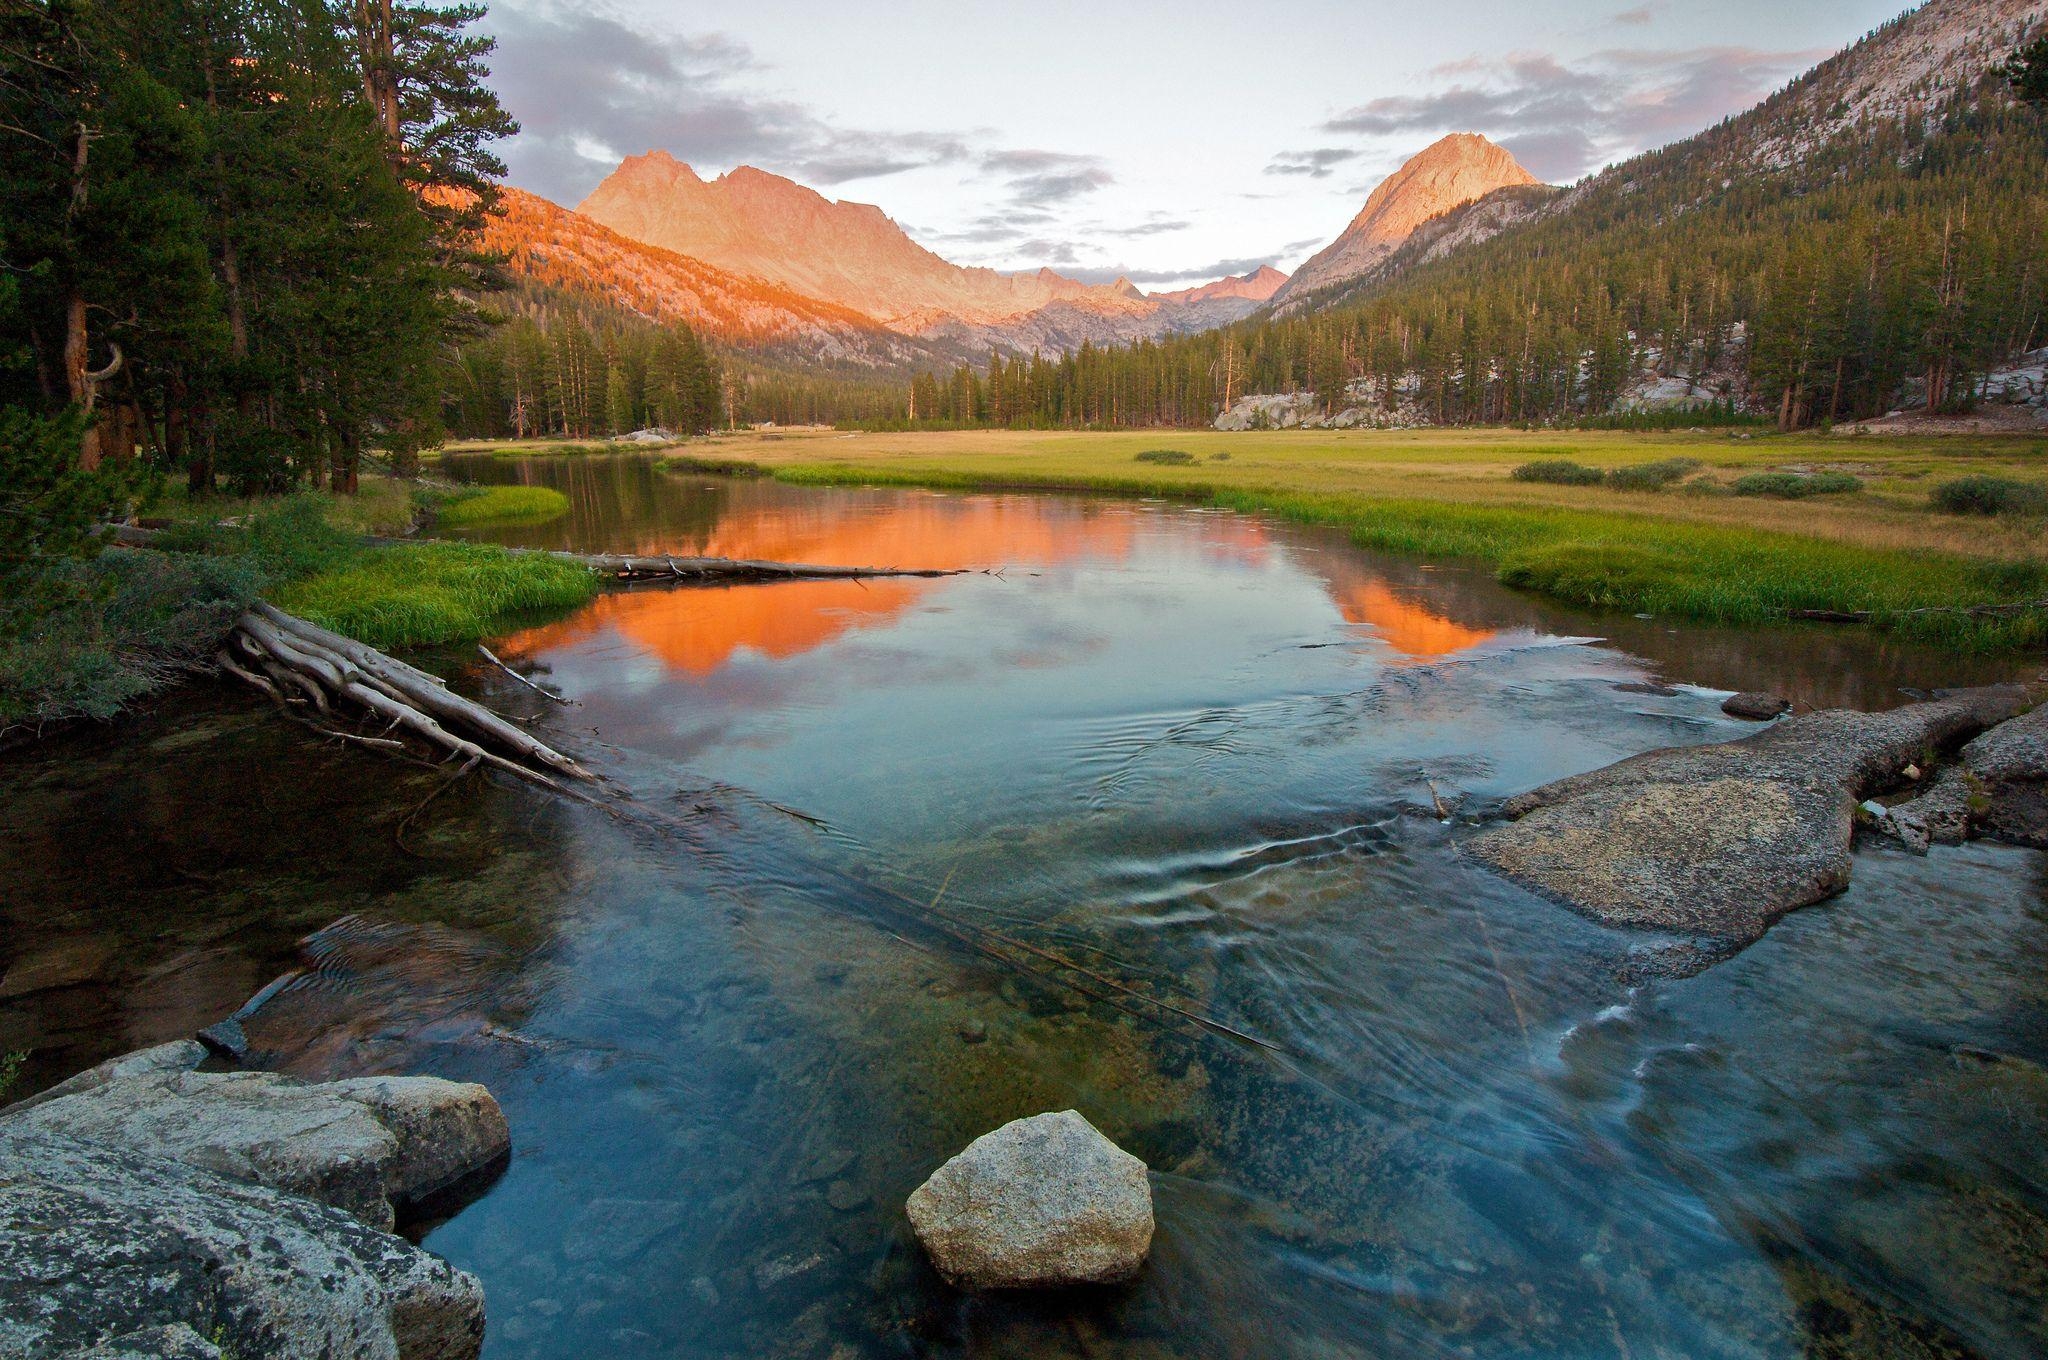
point(1136, 818)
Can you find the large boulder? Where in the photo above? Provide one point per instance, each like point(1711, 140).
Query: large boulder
point(98, 1244)
point(369, 1146)
point(1721, 840)
point(1040, 1202)
point(1997, 786)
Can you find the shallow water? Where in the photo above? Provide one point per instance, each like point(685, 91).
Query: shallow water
point(1136, 825)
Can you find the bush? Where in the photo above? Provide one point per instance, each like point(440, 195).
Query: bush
point(80, 639)
point(1651, 476)
point(1171, 457)
point(1984, 495)
point(1558, 472)
point(503, 505)
point(1790, 486)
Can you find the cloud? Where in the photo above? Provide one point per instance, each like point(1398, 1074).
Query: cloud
point(1564, 120)
point(1639, 16)
point(589, 90)
point(1043, 177)
point(1316, 164)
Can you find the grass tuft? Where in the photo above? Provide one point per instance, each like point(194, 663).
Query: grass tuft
point(419, 594)
point(1557, 472)
point(1986, 495)
point(503, 505)
point(1169, 457)
point(1790, 486)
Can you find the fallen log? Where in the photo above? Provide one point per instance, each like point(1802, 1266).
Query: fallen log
point(1973, 611)
point(285, 657)
point(631, 567)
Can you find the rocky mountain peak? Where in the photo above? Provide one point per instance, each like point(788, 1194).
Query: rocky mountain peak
point(1447, 174)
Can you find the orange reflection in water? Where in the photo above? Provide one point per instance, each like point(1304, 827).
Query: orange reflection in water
point(698, 631)
point(1405, 626)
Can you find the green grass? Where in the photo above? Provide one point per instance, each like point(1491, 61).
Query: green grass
point(503, 505)
point(1601, 558)
point(1791, 486)
point(418, 594)
point(10, 1071)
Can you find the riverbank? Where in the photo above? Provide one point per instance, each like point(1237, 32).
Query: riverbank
point(89, 637)
point(1695, 550)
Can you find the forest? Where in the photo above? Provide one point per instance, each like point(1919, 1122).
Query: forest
point(1902, 262)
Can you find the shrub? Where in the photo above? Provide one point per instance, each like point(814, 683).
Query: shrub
point(1558, 472)
point(1171, 457)
point(10, 1071)
point(1790, 486)
point(1984, 495)
point(714, 467)
point(504, 505)
point(1651, 476)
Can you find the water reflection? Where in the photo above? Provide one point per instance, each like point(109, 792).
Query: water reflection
point(930, 860)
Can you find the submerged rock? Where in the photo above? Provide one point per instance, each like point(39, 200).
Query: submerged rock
point(1722, 840)
point(98, 1244)
point(1039, 1202)
point(367, 1146)
point(1755, 706)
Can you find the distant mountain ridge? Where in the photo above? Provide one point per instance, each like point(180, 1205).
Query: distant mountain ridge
point(851, 255)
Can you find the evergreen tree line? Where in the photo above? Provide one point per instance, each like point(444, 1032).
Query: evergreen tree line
point(1896, 263)
point(239, 228)
point(579, 373)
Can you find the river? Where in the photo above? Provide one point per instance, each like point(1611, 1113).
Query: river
point(1135, 818)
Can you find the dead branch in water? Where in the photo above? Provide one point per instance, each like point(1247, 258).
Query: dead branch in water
point(289, 656)
point(527, 681)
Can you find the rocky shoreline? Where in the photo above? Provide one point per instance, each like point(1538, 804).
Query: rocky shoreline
point(149, 1208)
point(1720, 841)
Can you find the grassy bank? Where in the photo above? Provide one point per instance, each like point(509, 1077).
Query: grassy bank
point(94, 635)
point(1695, 550)
point(502, 505)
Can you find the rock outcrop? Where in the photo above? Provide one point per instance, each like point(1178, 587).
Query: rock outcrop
point(1445, 175)
point(368, 1146)
point(1040, 1202)
point(1997, 786)
point(99, 1243)
point(151, 1209)
point(1722, 840)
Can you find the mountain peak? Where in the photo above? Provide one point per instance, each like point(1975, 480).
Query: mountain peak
point(1448, 173)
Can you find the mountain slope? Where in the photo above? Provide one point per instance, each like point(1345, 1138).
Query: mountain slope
point(752, 222)
point(1447, 174)
point(553, 248)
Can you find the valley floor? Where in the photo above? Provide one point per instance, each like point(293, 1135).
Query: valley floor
point(1694, 549)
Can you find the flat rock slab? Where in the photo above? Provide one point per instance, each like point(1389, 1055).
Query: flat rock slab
point(98, 1245)
point(366, 1146)
point(1723, 839)
point(1040, 1202)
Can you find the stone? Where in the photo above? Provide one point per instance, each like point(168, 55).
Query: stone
point(1721, 840)
point(1997, 786)
point(845, 1196)
point(1040, 1202)
point(176, 1342)
point(367, 1146)
point(99, 1243)
point(1755, 706)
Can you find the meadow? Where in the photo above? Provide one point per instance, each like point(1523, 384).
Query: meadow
point(1694, 548)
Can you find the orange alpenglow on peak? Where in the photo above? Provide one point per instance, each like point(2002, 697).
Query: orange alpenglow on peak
point(1448, 174)
point(1256, 286)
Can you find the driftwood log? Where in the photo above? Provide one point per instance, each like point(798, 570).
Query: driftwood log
point(301, 664)
point(631, 567)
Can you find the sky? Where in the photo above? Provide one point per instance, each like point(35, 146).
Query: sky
point(1168, 142)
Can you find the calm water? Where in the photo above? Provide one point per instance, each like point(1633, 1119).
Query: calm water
point(907, 859)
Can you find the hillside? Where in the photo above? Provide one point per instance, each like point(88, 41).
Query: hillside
point(553, 248)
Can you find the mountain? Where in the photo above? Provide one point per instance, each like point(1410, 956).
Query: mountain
point(1445, 175)
point(752, 222)
point(553, 249)
point(851, 255)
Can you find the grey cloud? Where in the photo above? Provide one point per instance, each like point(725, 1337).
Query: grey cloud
point(1041, 177)
point(1640, 15)
point(1571, 118)
point(1316, 164)
point(1198, 274)
point(588, 89)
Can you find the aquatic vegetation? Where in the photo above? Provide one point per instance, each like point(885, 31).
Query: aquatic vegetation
point(503, 505)
point(1558, 472)
point(1792, 486)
